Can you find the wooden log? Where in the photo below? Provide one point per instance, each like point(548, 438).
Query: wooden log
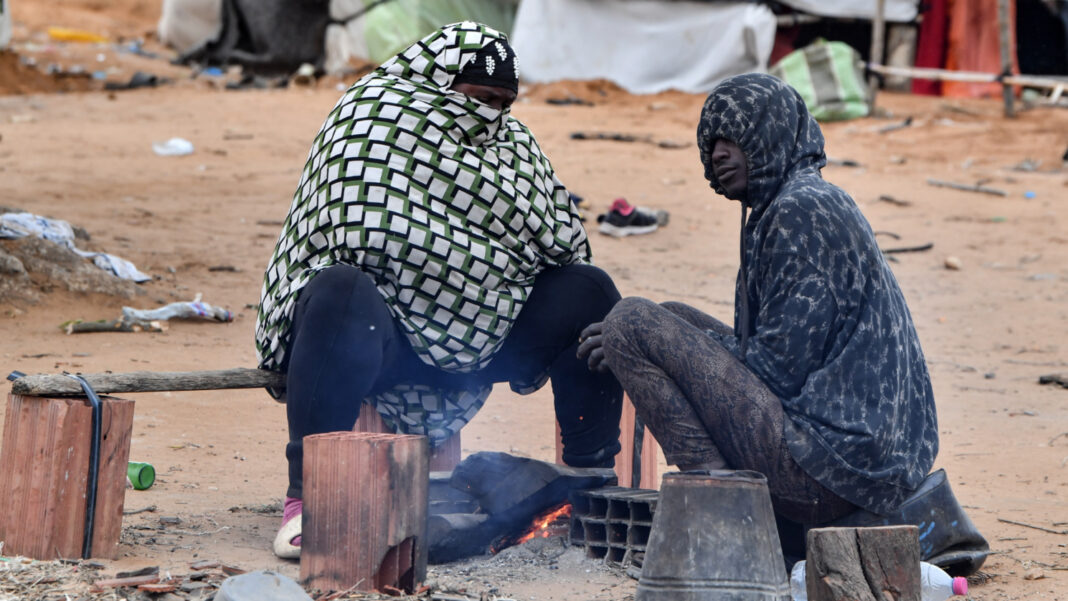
point(365, 511)
point(44, 476)
point(863, 564)
point(148, 381)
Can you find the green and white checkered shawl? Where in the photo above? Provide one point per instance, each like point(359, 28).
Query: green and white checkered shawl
point(448, 203)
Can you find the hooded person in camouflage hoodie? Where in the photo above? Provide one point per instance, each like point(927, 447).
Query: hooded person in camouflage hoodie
point(429, 252)
point(821, 384)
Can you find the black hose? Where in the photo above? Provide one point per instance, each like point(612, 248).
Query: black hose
point(94, 466)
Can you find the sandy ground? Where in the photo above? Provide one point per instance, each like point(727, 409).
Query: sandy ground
point(990, 329)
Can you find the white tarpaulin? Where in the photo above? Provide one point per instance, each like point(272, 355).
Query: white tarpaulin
point(645, 46)
point(5, 24)
point(895, 10)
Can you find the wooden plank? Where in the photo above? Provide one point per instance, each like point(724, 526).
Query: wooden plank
point(148, 381)
point(44, 465)
point(863, 564)
point(116, 432)
point(365, 511)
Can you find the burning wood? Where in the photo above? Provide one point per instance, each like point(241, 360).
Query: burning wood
point(554, 522)
point(510, 492)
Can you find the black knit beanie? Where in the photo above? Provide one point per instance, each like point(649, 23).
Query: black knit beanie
point(495, 65)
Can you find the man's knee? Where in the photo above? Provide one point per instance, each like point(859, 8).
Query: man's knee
point(600, 292)
point(625, 321)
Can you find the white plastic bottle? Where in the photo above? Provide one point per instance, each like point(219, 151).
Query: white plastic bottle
point(935, 584)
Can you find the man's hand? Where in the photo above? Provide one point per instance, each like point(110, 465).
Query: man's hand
point(590, 347)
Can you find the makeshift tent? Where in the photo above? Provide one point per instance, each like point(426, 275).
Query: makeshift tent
point(645, 46)
point(186, 24)
point(278, 36)
point(375, 30)
point(962, 35)
point(5, 24)
point(902, 11)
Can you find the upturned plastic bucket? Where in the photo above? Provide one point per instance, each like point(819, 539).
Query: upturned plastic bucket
point(713, 539)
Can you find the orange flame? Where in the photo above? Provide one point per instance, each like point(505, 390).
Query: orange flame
point(540, 527)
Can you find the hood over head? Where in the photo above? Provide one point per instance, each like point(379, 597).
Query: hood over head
point(769, 121)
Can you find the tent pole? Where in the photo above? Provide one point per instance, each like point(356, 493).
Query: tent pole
point(878, 29)
point(1006, 39)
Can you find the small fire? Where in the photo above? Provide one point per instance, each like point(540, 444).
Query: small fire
point(543, 526)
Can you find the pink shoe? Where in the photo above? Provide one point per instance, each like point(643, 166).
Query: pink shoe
point(287, 541)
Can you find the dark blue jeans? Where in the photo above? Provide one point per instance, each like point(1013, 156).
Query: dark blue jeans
point(345, 346)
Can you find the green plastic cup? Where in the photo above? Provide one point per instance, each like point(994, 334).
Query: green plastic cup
point(141, 475)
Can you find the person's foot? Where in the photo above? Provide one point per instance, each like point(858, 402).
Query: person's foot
point(623, 219)
point(287, 541)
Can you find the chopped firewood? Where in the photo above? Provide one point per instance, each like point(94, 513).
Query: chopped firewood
point(159, 587)
point(100, 585)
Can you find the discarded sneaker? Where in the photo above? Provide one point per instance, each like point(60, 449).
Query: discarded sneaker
point(624, 219)
point(287, 541)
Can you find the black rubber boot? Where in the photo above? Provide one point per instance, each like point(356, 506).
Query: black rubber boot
point(948, 538)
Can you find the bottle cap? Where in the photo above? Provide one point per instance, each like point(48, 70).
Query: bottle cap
point(960, 586)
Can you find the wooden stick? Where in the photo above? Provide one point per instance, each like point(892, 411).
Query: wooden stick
point(1031, 81)
point(878, 29)
point(148, 381)
point(1006, 43)
point(966, 187)
point(1026, 525)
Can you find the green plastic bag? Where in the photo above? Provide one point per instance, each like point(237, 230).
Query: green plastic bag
point(829, 77)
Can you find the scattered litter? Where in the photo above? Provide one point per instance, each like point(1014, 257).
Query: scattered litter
point(953, 263)
point(173, 148)
point(1027, 165)
point(1058, 379)
point(843, 162)
point(140, 79)
point(569, 100)
point(621, 137)
point(19, 225)
point(896, 126)
point(62, 34)
point(305, 75)
point(1029, 195)
point(260, 585)
point(898, 160)
point(966, 187)
point(894, 201)
point(195, 309)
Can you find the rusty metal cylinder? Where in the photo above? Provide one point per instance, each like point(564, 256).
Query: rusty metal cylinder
point(714, 539)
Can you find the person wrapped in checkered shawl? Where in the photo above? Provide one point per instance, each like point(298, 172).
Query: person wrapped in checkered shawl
point(429, 252)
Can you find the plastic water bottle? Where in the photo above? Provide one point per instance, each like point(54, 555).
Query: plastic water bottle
point(935, 584)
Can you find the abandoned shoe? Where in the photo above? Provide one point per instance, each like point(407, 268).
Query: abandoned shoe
point(624, 219)
point(948, 538)
point(287, 541)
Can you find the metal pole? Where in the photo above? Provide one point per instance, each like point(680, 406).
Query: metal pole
point(878, 29)
point(1006, 39)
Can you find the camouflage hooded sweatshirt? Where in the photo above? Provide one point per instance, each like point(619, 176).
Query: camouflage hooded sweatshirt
point(819, 316)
